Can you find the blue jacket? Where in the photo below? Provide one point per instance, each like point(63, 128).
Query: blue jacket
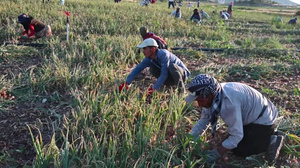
point(163, 58)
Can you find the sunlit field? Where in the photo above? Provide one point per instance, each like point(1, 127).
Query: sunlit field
point(59, 104)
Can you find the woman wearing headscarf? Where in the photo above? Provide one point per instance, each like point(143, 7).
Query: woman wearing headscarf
point(33, 27)
point(229, 9)
point(196, 16)
point(176, 13)
point(249, 115)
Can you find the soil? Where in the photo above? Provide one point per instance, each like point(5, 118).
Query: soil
point(15, 140)
point(16, 118)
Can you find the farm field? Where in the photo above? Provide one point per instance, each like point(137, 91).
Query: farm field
point(58, 101)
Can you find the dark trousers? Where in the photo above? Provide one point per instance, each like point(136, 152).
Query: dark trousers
point(176, 75)
point(171, 3)
point(256, 140)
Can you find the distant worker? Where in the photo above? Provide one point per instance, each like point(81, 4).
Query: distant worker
point(171, 2)
point(146, 34)
point(229, 9)
point(279, 19)
point(180, 3)
point(144, 3)
point(198, 4)
point(33, 27)
point(223, 16)
point(189, 5)
point(176, 13)
point(227, 14)
point(204, 14)
point(196, 16)
point(293, 21)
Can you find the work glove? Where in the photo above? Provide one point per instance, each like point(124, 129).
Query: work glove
point(212, 156)
point(150, 91)
point(126, 85)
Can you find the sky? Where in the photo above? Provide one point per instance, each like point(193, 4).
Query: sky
point(296, 1)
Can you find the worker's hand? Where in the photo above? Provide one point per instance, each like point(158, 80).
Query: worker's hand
point(121, 87)
point(212, 156)
point(150, 91)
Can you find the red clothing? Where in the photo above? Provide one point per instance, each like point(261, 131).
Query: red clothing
point(33, 27)
point(155, 37)
point(229, 10)
point(160, 42)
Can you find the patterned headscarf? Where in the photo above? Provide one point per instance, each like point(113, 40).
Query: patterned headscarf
point(202, 85)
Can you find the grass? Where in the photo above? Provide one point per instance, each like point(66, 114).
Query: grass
point(86, 123)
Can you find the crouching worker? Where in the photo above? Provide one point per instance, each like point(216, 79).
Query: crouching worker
point(293, 21)
point(204, 14)
point(33, 27)
point(165, 66)
point(176, 13)
point(146, 34)
point(248, 114)
point(196, 17)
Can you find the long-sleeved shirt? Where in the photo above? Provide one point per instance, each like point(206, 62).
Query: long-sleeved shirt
point(227, 14)
point(163, 59)
point(33, 27)
point(224, 16)
point(176, 14)
point(293, 21)
point(229, 9)
point(196, 16)
point(242, 105)
point(205, 15)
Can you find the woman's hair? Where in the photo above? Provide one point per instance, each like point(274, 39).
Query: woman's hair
point(23, 18)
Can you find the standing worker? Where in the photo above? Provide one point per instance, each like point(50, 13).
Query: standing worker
point(198, 4)
point(229, 9)
point(171, 2)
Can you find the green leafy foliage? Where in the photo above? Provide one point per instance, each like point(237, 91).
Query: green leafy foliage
point(90, 124)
